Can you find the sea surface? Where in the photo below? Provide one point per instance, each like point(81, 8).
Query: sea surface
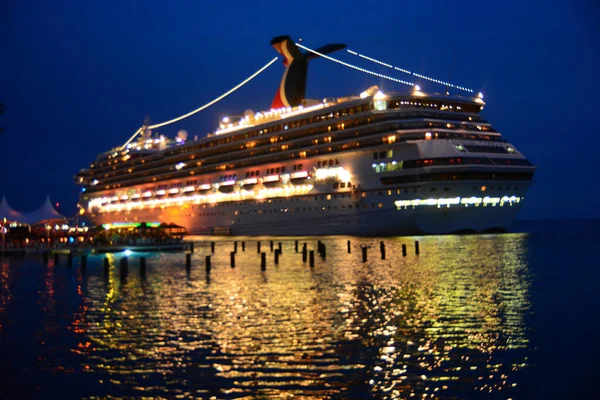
point(507, 316)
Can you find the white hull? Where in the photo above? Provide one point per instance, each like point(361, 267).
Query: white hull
point(377, 214)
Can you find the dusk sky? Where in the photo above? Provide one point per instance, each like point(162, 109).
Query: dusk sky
point(78, 77)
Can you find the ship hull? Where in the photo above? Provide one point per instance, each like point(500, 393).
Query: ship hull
point(376, 214)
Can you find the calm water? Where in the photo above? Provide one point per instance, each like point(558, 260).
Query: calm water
point(490, 316)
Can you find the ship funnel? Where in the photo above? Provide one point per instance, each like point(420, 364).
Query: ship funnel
point(292, 89)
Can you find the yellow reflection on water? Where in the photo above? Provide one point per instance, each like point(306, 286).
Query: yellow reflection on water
point(448, 322)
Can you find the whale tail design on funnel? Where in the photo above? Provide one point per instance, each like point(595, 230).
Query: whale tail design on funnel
point(292, 89)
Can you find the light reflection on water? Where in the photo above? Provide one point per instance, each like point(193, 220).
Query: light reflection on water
point(450, 322)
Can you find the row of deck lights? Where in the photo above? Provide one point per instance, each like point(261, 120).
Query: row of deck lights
point(466, 201)
point(227, 125)
point(144, 199)
point(209, 198)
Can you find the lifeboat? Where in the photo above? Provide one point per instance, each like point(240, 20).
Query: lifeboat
point(227, 186)
point(250, 183)
point(204, 188)
point(298, 178)
point(271, 181)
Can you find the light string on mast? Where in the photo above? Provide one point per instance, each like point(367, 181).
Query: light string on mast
point(210, 103)
point(354, 53)
point(355, 67)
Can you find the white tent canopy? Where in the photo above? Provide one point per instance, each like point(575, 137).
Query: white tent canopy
point(9, 213)
point(45, 214)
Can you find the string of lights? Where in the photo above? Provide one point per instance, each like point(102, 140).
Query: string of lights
point(355, 67)
point(438, 81)
point(210, 103)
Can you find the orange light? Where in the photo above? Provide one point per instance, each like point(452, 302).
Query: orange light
point(483, 188)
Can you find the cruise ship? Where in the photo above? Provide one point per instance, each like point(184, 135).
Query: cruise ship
point(371, 164)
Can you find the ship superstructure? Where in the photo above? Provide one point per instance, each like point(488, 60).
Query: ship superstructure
point(372, 164)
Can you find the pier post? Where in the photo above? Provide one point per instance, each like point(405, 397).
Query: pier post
point(83, 262)
point(124, 267)
point(56, 259)
point(271, 245)
point(296, 245)
point(263, 261)
point(212, 247)
point(349, 248)
point(243, 246)
point(323, 251)
point(404, 250)
point(143, 267)
point(279, 247)
point(106, 267)
point(277, 252)
point(304, 252)
point(417, 247)
point(312, 258)
point(364, 254)
point(192, 247)
point(258, 247)
point(382, 249)
point(188, 262)
point(235, 246)
point(232, 259)
point(46, 253)
point(207, 264)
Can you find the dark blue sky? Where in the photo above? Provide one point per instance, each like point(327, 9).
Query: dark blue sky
point(78, 77)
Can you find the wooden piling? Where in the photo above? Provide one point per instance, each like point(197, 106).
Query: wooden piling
point(207, 264)
point(349, 248)
point(263, 261)
point(404, 250)
point(106, 267)
point(143, 267)
point(235, 246)
point(417, 247)
point(45, 257)
point(277, 252)
point(258, 247)
point(279, 247)
point(192, 247)
point(212, 247)
point(296, 245)
point(304, 253)
point(232, 259)
point(243, 246)
point(312, 258)
point(188, 261)
point(364, 254)
point(124, 267)
point(382, 249)
point(271, 245)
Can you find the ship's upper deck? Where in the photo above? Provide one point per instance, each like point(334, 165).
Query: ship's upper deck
point(267, 128)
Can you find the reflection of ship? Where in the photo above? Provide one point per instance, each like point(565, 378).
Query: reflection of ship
point(374, 164)
point(440, 324)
